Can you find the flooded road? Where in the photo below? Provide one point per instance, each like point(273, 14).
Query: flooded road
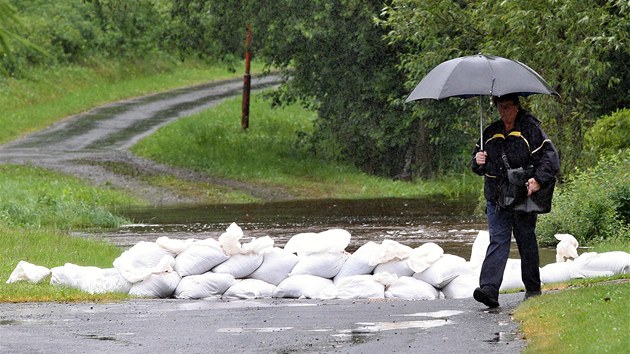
point(451, 224)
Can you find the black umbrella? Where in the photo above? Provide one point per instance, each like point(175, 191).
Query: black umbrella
point(480, 75)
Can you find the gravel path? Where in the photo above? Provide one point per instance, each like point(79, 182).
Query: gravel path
point(83, 144)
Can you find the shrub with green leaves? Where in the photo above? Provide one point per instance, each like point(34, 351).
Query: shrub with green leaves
point(609, 135)
point(592, 205)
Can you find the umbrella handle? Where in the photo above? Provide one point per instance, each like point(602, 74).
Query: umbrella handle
point(481, 123)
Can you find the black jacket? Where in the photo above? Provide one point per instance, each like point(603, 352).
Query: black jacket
point(524, 145)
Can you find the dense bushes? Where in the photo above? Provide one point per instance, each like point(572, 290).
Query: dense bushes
point(593, 204)
point(609, 135)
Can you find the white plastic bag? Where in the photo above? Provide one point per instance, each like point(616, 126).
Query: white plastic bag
point(445, 269)
point(200, 257)
point(90, 279)
point(204, 285)
point(512, 278)
point(461, 287)
point(616, 262)
point(566, 248)
point(139, 261)
point(276, 266)
point(409, 288)
point(240, 265)
point(325, 265)
point(301, 286)
point(159, 285)
point(358, 287)
point(395, 266)
point(390, 250)
point(25, 271)
point(329, 241)
point(230, 239)
point(358, 263)
point(479, 248)
point(250, 289)
point(422, 257)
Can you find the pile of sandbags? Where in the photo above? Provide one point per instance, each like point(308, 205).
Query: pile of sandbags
point(310, 265)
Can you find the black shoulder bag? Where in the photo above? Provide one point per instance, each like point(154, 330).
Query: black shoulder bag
point(514, 191)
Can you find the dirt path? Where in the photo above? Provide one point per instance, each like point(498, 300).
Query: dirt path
point(84, 144)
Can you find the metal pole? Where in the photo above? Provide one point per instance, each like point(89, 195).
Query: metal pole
point(481, 123)
point(247, 79)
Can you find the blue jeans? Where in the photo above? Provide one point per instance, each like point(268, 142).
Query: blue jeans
point(501, 224)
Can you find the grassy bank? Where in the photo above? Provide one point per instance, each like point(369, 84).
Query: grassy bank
point(271, 155)
point(583, 318)
point(48, 94)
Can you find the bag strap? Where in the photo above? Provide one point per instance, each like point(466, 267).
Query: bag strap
point(505, 160)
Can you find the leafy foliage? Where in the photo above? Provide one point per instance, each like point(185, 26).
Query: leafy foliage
point(609, 135)
point(593, 204)
point(579, 58)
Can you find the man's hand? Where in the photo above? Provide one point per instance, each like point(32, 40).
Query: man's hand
point(532, 186)
point(480, 157)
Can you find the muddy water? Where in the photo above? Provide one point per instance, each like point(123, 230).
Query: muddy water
point(452, 225)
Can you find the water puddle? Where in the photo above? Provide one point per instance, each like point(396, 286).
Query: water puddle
point(503, 337)
point(451, 224)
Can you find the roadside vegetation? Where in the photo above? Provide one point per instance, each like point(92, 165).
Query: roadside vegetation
point(355, 136)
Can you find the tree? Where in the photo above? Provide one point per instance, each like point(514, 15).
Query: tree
point(578, 46)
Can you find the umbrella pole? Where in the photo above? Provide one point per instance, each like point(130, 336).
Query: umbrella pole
point(481, 123)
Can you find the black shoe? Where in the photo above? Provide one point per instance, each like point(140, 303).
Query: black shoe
point(483, 296)
point(530, 294)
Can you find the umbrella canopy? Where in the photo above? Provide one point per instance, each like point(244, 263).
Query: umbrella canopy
point(480, 75)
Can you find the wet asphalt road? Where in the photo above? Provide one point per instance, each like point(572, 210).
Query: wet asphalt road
point(261, 326)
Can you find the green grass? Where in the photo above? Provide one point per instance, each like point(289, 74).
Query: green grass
point(32, 197)
point(592, 318)
point(52, 93)
point(269, 154)
point(50, 248)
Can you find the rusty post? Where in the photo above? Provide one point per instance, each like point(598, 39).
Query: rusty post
point(247, 79)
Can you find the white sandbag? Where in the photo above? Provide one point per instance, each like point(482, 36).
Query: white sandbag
point(409, 288)
point(250, 289)
point(617, 262)
point(329, 241)
point(204, 285)
point(199, 258)
point(240, 265)
point(159, 286)
point(479, 248)
point(558, 272)
point(174, 246)
point(390, 250)
point(566, 248)
point(276, 266)
point(90, 279)
point(398, 267)
point(359, 287)
point(358, 263)
point(423, 256)
point(257, 245)
point(444, 270)
point(139, 261)
point(512, 278)
point(461, 287)
point(385, 278)
point(325, 265)
point(301, 286)
point(230, 239)
point(25, 271)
